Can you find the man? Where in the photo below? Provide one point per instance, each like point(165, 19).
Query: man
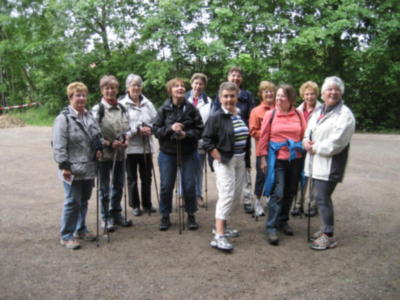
point(245, 104)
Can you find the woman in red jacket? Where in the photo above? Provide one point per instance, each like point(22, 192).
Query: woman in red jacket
point(282, 131)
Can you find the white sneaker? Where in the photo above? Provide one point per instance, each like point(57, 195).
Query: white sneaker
point(221, 242)
point(258, 209)
point(229, 232)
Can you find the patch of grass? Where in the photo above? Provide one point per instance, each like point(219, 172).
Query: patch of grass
point(36, 116)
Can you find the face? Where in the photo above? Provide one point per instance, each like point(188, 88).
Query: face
point(282, 100)
point(332, 95)
point(178, 91)
point(78, 101)
point(310, 97)
point(109, 92)
point(268, 96)
point(236, 78)
point(198, 87)
point(228, 100)
point(134, 90)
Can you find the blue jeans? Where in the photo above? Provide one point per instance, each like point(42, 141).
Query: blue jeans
point(287, 175)
point(116, 189)
point(168, 168)
point(322, 193)
point(260, 178)
point(199, 174)
point(76, 197)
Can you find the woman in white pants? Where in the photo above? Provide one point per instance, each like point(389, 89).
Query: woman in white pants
point(225, 138)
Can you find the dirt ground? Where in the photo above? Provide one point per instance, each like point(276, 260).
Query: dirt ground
point(143, 263)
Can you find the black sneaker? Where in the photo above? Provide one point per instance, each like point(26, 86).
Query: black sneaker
point(165, 223)
point(191, 223)
point(120, 221)
point(286, 229)
point(248, 208)
point(273, 238)
point(136, 212)
point(149, 210)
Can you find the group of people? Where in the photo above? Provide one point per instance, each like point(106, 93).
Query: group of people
point(118, 135)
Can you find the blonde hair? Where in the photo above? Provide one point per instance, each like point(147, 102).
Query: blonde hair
point(308, 85)
point(265, 85)
point(76, 87)
point(200, 76)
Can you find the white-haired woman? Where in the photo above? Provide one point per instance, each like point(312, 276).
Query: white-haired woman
point(327, 141)
point(142, 115)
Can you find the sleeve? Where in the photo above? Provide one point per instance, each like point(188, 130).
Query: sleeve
point(196, 129)
point(60, 142)
point(255, 125)
point(160, 129)
point(339, 138)
point(263, 143)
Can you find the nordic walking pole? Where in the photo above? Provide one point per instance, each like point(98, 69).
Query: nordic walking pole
point(97, 203)
point(178, 181)
point(205, 182)
point(145, 163)
point(311, 187)
point(127, 223)
point(154, 173)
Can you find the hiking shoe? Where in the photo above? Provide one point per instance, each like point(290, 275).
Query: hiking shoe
point(149, 210)
point(258, 210)
point(316, 235)
point(136, 212)
point(273, 238)
point(221, 242)
point(70, 244)
point(286, 229)
point(229, 232)
point(324, 242)
point(297, 211)
point(86, 236)
point(248, 208)
point(191, 223)
point(312, 213)
point(165, 223)
point(200, 202)
point(120, 221)
point(110, 225)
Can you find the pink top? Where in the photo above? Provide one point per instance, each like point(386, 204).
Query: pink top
point(284, 126)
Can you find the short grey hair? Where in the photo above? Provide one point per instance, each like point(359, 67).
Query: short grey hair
point(228, 86)
point(133, 78)
point(333, 80)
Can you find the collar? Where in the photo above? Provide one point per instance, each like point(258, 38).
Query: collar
point(108, 105)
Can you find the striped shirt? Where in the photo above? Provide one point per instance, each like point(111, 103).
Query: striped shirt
point(241, 133)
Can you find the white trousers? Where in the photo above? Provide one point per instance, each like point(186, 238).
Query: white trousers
point(230, 178)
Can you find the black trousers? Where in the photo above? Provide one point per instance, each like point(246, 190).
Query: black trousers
point(144, 164)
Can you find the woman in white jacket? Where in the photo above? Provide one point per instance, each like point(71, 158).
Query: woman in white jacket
point(141, 145)
point(327, 142)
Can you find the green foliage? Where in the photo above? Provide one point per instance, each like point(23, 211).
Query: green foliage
point(46, 44)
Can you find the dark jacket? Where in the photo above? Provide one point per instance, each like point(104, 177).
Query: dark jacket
point(189, 116)
point(218, 133)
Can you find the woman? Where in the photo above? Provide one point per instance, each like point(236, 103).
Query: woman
point(113, 121)
point(281, 135)
point(309, 92)
point(226, 140)
point(142, 115)
point(202, 102)
point(76, 144)
point(327, 142)
point(178, 127)
point(266, 94)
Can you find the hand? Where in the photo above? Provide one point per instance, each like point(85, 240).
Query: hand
point(181, 135)
point(308, 146)
point(177, 127)
point(67, 174)
point(116, 144)
point(99, 154)
point(145, 131)
point(263, 164)
point(215, 154)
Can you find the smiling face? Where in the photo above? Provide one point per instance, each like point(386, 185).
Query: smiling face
point(178, 92)
point(310, 97)
point(235, 77)
point(78, 101)
point(198, 87)
point(268, 96)
point(134, 90)
point(228, 100)
point(332, 95)
point(282, 100)
point(109, 92)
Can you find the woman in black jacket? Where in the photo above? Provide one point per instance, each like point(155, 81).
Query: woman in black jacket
point(178, 127)
point(225, 138)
